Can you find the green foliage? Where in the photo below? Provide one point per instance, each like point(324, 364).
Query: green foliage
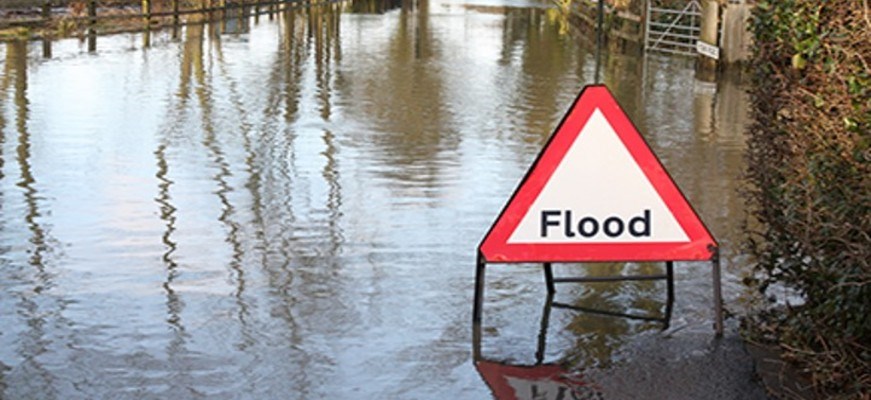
point(809, 156)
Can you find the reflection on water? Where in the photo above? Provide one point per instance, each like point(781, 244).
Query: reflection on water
point(291, 205)
point(539, 380)
point(610, 314)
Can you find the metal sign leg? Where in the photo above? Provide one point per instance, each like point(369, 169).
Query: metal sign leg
point(479, 291)
point(669, 303)
point(548, 278)
point(718, 295)
point(476, 342)
point(477, 307)
point(542, 334)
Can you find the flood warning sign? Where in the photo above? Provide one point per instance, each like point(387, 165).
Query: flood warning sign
point(597, 193)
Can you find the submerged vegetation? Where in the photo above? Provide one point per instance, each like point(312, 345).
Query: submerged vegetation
point(810, 171)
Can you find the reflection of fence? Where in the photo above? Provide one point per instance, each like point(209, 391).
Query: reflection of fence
point(671, 30)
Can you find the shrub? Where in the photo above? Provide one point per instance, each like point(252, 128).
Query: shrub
point(808, 157)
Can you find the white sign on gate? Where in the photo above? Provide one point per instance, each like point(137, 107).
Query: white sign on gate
point(708, 50)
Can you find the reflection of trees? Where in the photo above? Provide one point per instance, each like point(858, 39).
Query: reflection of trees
point(407, 95)
point(598, 337)
point(309, 240)
point(293, 238)
point(191, 64)
point(375, 6)
point(406, 100)
point(17, 53)
point(730, 110)
point(213, 147)
point(696, 129)
point(623, 74)
point(270, 162)
point(300, 246)
point(548, 61)
point(323, 31)
point(34, 302)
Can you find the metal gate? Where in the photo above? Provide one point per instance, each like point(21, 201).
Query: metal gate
point(672, 30)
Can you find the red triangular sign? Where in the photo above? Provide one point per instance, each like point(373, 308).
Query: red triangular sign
point(597, 193)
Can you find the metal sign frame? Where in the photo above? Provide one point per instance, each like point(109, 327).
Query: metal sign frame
point(494, 248)
point(550, 282)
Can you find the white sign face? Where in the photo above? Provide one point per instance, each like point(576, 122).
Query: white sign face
point(598, 194)
point(708, 50)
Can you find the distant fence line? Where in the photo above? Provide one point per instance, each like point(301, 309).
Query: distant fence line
point(59, 18)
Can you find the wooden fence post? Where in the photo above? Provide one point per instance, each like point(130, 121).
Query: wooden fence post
point(92, 12)
point(92, 25)
point(46, 12)
point(707, 66)
point(146, 12)
point(46, 37)
point(645, 22)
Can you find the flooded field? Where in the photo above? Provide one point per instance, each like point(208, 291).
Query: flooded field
point(291, 208)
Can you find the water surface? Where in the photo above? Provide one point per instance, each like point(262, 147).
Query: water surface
point(290, 207)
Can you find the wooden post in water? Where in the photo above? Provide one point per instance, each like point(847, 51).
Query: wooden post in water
point(706, 67)
point(645, 22)
point(46, 38)
point(736, 37)
point(175, 20)
point(246, 14)
point(92, 13)
point(146, 13)
point(46, 47)
point(46, 12)
point(223, 15)
point(92, 26)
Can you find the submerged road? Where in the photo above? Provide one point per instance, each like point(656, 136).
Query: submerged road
point(291, 208)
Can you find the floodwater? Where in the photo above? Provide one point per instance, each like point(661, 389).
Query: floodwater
point(290, 208)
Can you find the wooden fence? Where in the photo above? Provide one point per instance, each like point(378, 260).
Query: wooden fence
point(622, 24)
point(60, 18)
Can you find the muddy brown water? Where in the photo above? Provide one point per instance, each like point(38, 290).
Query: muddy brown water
point(290, 209)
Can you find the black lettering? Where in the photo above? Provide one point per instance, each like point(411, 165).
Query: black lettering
point(594, 227)
point(609, 223)
point(645, 225)
point(569, 232)
point(545, 221)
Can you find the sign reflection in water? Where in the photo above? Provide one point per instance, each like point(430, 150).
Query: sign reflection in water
point(288, 208)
